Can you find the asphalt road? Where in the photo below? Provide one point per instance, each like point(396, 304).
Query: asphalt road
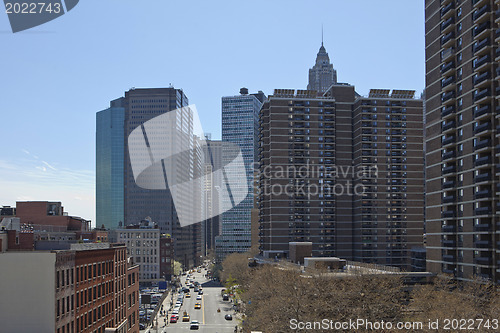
point(210, 320)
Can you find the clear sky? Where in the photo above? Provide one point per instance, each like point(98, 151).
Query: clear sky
point(55, 77)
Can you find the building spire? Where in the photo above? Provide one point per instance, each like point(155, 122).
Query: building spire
point(321, 34)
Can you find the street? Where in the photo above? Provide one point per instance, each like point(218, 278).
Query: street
point(210, 320)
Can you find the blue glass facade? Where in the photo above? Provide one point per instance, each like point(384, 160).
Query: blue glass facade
point(109, 165)
point(239, 126)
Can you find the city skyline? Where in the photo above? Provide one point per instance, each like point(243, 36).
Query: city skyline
point(52, 156)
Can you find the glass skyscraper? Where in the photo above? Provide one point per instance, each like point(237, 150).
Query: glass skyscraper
point(118, 197)
point(109, 165)
point(239, 127)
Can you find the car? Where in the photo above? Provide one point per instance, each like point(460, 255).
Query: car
point(195, 325)
point(185, 317)
point(196, 289)
point(228, 317)
point(175, 311)
point(197, 305)
point(188, 295)
point(198, 298)
point(142, 326)
point(174, 318)
point(200, 292)
point(225, 297)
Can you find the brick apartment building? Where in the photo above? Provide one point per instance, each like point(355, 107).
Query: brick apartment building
point(340, 141)
point(463, 130)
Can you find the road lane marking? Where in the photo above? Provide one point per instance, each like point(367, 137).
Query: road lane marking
point(203, 308)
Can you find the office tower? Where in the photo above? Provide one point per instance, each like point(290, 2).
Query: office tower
point(213, 182)
point(109, 165)
point(140, 106)
point(239, 127)
point(462, 136)
point(387, 143)
point(322, 75)
point(343, 172)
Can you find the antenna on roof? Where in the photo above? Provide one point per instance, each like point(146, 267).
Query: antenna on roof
point(321, 34)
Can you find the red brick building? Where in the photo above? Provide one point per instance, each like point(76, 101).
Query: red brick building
point(49, 214)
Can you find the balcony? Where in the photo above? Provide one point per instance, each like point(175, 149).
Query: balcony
point(448, 155)
point(448, 169)
point(481, 94)
point(482, 110)
point(448, 140)
point(447, 96)
point(483, 160)
point(482, 177)
point(448, 39)
point(448, 126)
point(481, 45)
point(449, 258)
point(448, 214)
point(482, 227)
point(478, 14)
point(449, 199)
point(479, 62)
point(482, 127)
point(483, 260)
point(479, 78)
point(483, 244)
point(480, 29)
point(478, 3)
point(449, 243)
point(447, 10)
point(447, 66)
point(449, 184)
point(486, 143)
point(448, 228)
point(448, 110)
point(483, 211)
point(482, 194)
point(447, 53)
point(447, 24)
point(448, 82)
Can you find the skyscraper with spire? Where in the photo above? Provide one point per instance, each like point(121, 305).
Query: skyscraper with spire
point(322, 75)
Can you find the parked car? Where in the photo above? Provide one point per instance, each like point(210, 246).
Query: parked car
point(228, 317)
point(174, 318)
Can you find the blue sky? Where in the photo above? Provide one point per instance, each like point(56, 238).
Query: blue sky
point(55, 77)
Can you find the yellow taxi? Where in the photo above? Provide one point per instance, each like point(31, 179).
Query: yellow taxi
point(185, 317)
point(188, 295)
point(197, 305)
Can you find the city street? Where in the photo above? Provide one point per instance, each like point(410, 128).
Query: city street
point(210, 320)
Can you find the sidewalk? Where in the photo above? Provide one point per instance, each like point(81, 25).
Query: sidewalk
point(161, 318)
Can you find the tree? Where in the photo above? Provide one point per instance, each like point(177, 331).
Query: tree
point(177, 268)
